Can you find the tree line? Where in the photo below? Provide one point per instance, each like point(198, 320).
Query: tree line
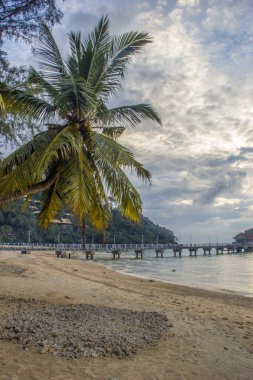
point(21, 225)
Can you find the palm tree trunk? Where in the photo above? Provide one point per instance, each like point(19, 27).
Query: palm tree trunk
point(36, 188)
point(84, 233)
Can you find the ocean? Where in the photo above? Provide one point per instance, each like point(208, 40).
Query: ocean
point(230, 273)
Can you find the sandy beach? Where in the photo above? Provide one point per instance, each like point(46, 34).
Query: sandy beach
point(210, 334)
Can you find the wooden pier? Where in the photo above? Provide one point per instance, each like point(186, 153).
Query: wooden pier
point(117, 250)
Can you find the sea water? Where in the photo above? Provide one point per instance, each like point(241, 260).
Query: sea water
point(230, 273)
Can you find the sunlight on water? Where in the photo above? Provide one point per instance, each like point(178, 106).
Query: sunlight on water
point(223, 272)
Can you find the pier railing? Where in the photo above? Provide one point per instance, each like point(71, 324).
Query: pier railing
point(79, 247)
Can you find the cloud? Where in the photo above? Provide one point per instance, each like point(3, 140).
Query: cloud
point(188, 3)
point(183, 202)
point(226, 201)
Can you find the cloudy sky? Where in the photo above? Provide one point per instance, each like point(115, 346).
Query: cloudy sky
point(198, 74)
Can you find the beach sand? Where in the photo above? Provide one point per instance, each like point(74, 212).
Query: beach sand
point(211, 337)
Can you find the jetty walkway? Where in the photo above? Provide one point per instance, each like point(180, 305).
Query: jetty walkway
point(66, 250)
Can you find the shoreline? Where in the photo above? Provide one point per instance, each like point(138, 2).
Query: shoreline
point(218, 290)
point(215, 290)
point(211, 337)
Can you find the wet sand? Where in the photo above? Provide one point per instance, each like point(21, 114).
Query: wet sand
point(211, 337)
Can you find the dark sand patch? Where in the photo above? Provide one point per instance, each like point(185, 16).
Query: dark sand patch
point(10, 269)
point(81, 330)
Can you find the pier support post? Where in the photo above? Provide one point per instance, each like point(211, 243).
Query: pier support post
point(139, 252)
point(193, 250)
point(230, 250)
point(60, 253)
point(219, 250)
point(177, 250)
point(116, 253)
point(159, 251)
point(89, 255)
point(207, 250)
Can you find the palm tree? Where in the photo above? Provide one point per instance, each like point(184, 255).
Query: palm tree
point(77, 161)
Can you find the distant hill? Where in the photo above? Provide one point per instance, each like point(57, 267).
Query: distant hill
point(18, 225)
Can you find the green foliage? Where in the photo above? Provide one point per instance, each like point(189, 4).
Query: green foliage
point(127, 232)
point(15, 224)
point(21, 19)
point(249, 232)
point(14, 129)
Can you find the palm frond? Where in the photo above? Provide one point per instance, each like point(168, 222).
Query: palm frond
point(113, 132)
point(108, 150)
point(100, 215)
point(51, 203)
point(76, 97)
point(132, 114)
point(24, 104)
point(129, 200)
point(122, 48)
point(121, 190)
point(18, 171)
point(36, 146)
point(76, 186)
point(37, 79)
point(99, 36)
point(51, 62)
point(97, 45)
point(77, 53)
point(63, 144)
point(86, 56)
point(20, 179)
